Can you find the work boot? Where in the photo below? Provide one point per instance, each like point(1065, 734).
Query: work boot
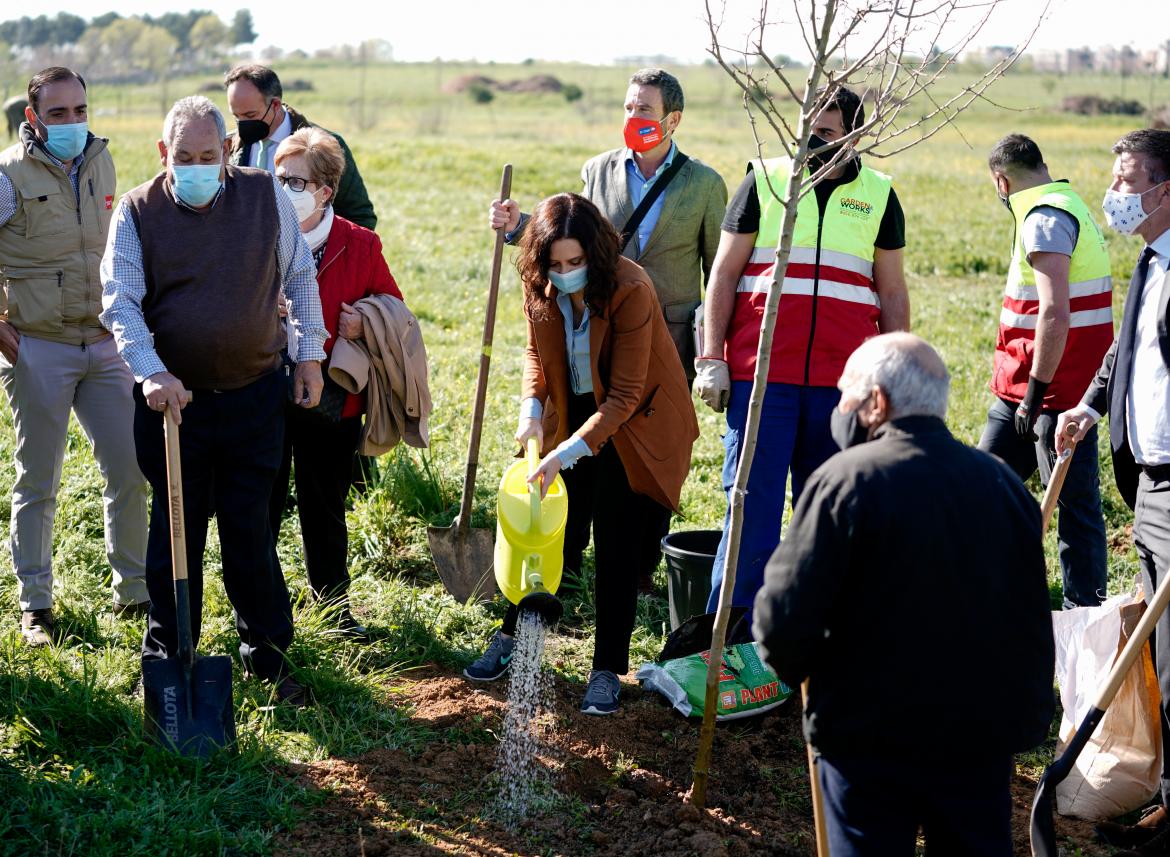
point(494, 662)
point(38, 628)
point(131, 611)
point(1153, 819)
point(1152, 822)
point(601, 695)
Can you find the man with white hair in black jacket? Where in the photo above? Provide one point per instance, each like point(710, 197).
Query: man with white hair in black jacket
point(909, 588)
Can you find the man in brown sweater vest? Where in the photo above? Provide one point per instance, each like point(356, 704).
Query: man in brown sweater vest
point(197, 259)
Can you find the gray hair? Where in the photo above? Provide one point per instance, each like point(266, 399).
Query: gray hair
point(191, 109)
point(666, 84)
point(905, 368)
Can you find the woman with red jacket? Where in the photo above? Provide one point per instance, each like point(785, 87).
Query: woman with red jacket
point(324, 440)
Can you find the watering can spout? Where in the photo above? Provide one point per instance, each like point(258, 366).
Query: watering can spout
point(539, 600)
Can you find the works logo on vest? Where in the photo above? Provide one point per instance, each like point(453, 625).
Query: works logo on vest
point(851, 207)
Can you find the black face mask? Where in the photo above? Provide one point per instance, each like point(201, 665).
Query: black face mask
point(815, 160)
point(253, 130)
point(845, 428)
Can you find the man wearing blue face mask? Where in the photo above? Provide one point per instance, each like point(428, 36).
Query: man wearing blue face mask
point(197, 261)
point(56, 195)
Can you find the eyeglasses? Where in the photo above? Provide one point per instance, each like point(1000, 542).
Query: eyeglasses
point(295, 182)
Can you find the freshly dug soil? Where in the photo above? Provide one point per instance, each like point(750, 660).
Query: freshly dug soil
point(623, 780)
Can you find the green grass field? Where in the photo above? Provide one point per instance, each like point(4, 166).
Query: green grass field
point(75, 775)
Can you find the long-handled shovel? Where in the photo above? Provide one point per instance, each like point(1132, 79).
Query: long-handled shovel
point(463, 556)
point(188, 699)
point(1042, 832)
point(818, 797)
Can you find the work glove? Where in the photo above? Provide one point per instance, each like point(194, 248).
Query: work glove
point(712, 382)
point(1029, 409)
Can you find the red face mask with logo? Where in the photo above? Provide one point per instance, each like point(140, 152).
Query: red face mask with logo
point(642, 134)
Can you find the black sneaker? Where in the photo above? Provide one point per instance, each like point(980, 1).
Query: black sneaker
point(38, 628)
point(601, 695)
point(285, 690)
point(351, 629)
point(494, 662)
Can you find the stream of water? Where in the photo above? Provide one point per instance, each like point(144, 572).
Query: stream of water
point(525, 783)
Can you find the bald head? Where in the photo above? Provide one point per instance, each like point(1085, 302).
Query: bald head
point(905, 368)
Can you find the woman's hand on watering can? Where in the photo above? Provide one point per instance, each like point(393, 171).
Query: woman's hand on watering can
point(546, 473)
point(529, 427)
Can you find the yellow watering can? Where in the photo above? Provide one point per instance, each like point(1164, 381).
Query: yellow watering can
point(530, 538)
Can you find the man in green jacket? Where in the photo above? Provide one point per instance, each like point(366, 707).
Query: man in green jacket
point(56, 198)
point(256, 99)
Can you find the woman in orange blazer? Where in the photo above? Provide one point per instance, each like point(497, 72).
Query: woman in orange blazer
point(606, 395)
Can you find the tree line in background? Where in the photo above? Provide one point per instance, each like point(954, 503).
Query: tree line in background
point(110, 47)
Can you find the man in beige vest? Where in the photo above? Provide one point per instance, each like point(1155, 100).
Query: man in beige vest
point(56, 197)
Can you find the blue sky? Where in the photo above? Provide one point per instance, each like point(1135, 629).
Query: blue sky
point(600, 30)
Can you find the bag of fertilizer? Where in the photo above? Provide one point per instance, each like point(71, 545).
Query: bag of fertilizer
point(747, 686)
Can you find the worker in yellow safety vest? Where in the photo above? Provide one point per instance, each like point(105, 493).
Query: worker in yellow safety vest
point(843, 284)
point(1055, 325)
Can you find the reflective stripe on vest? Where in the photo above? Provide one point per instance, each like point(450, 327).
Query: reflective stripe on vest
point(828, 304)
point(1090, 305)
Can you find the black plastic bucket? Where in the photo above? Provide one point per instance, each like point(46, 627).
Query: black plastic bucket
point(690, 556)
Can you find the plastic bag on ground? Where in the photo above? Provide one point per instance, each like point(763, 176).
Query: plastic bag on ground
point(747, 686)
point(1119, 769)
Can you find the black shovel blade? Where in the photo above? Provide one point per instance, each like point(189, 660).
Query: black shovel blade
point(1042, 830)
point(193, 717)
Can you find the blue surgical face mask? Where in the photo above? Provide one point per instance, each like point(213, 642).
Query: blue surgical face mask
point(572, 282)
point(196, 184)
point(65, 142)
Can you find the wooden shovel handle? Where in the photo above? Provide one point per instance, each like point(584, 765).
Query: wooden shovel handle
point(175, 491)
point(818, 798)
point(485, 359)
point(1056, 481)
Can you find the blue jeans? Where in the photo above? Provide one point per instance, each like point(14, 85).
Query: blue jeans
point(1080, 526)
point(794, 435)
point(874, 807)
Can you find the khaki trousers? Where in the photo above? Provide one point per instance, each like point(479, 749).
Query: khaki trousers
point(48, 381)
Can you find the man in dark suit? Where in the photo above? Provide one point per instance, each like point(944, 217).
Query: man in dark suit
point(256, 99)
point(1133, 387)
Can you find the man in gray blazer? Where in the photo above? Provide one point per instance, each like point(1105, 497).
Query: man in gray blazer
point(677, 237)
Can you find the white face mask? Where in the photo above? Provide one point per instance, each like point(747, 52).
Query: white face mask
point(304, 201)
point(1124, 212)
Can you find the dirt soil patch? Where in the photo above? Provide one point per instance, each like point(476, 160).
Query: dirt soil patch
point(623, 779)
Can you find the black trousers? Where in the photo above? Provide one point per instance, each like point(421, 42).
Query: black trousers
point(600, 498)
point(230, 445)
point(1151, 537)
point(324, 456)
point(874, 807)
